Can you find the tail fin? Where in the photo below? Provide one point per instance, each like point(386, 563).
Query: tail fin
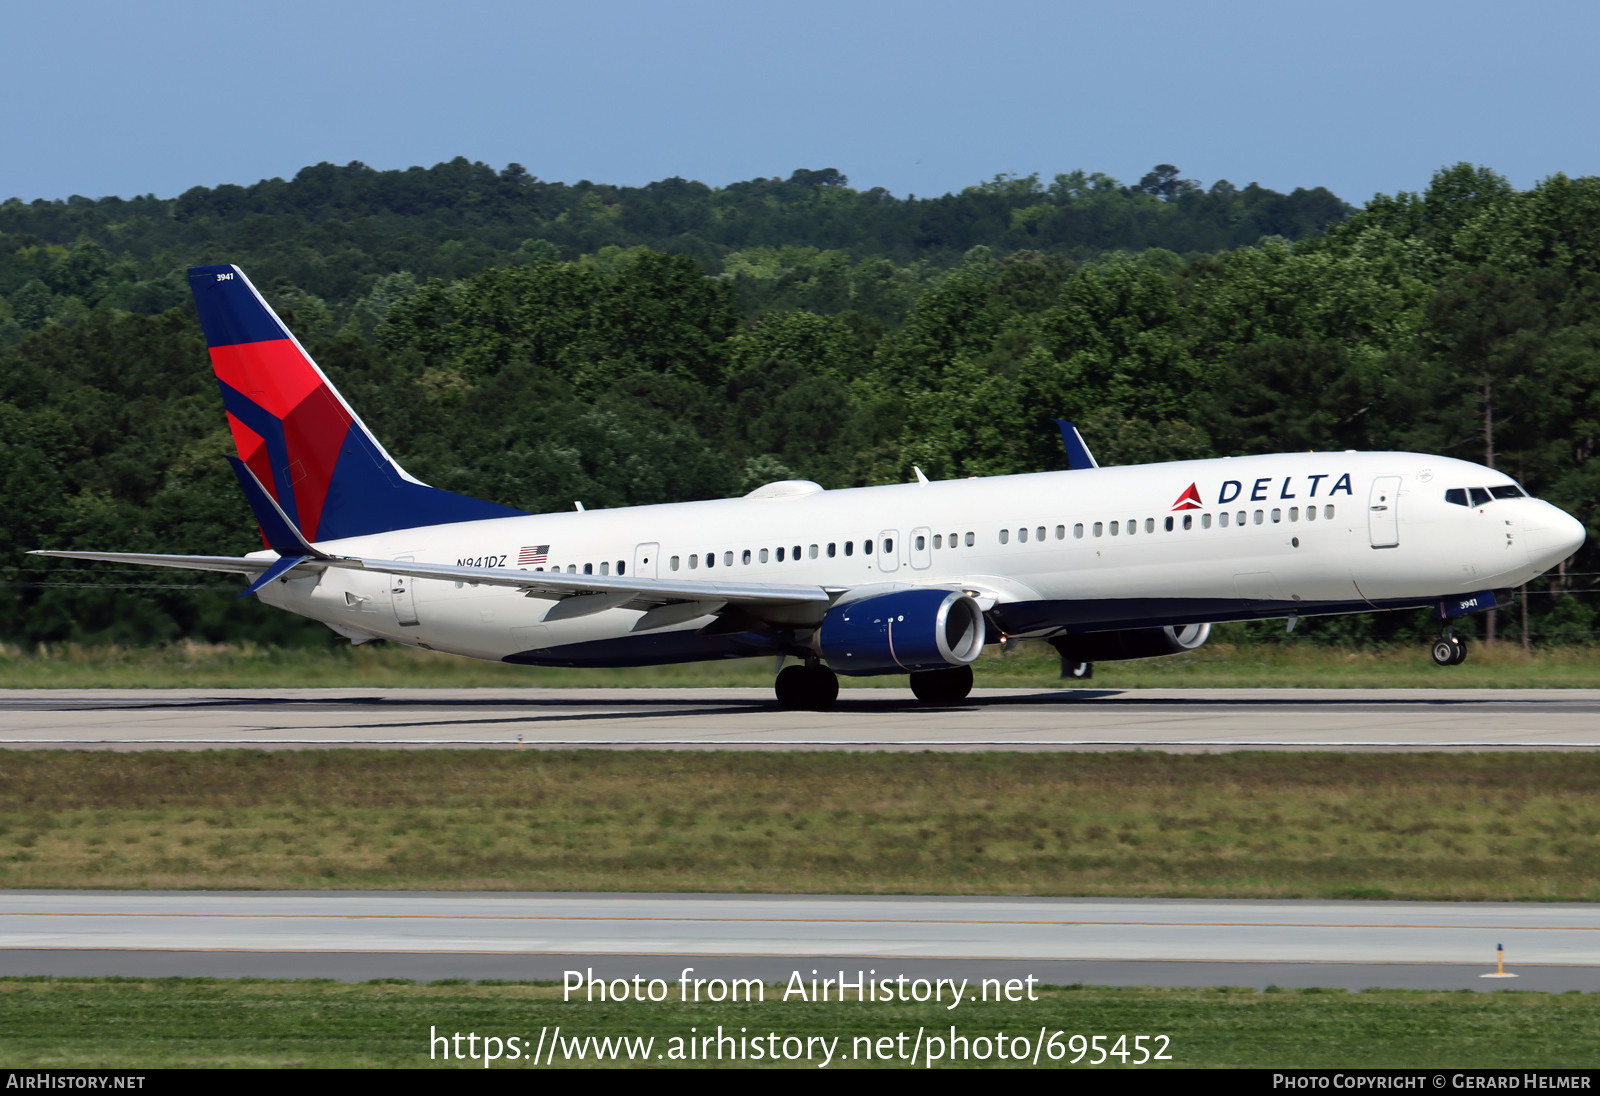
point(305, 445)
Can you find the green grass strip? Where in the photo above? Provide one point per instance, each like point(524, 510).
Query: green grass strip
point(132, 1024)
point(1497, 826)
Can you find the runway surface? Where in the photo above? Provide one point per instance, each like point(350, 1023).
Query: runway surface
point(1165, 719)
point(1101, 941)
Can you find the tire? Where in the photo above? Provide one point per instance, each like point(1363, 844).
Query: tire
point(942, 686)
point(806, 688)
point(1079, 671)
point(1460, 650)
point(1444, 651)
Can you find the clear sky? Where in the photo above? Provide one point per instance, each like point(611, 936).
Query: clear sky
point(1362, 97)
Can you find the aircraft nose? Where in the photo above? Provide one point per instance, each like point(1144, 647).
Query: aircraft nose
point(1553, 535)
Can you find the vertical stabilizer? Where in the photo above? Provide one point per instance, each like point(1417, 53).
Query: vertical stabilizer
point(305, 445)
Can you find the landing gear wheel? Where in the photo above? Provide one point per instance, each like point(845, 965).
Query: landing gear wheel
point(942, 686)
point(806, 688)
point(1080, 671)
point(1461, 650)
point(1449, 651)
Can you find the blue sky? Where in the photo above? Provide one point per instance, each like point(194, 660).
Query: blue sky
point(1362, 97)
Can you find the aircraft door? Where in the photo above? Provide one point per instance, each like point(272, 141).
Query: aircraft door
point(920, 552)
point(400, 596)
point(644, 560)
point(889, 550)
point(1383, 512)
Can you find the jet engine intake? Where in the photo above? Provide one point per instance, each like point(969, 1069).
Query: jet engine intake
point(894, 633)
point(1131, 643)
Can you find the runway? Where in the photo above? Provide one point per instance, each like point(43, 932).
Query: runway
point(539, 936)
point(1025, 719)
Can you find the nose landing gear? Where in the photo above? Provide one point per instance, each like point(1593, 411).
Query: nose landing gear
point(1448, 650)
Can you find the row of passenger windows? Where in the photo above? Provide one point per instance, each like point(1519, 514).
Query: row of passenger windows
point(1481, 495)
point(1170, 523)
point(830, 550)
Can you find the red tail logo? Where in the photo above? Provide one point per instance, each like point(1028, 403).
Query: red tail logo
point(1189, 500)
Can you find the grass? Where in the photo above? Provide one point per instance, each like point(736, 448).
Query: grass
point(1505, 827)
point(131, 1024)
point(1224, 663)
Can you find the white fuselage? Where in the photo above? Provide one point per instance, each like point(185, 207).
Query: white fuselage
point(1048, 553)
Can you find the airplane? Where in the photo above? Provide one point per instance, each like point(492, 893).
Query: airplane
point(913, 578)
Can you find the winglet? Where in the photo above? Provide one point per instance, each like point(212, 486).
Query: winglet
point(280, 533)
point(1078, 455)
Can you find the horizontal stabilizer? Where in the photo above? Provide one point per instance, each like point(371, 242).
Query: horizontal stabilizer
point(233, 565)
point(284, 565)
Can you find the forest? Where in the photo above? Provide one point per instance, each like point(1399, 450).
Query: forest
point(536, 343)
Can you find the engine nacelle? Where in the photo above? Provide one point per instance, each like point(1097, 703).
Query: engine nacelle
point(1130, 643)
point(898, 632)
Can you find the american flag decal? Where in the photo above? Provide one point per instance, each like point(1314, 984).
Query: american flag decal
point(533, 554)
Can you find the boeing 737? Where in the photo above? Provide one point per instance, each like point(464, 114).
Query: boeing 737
point(913, 578)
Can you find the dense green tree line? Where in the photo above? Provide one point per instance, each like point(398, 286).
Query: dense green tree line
point(1460, 320)
point(809, 240)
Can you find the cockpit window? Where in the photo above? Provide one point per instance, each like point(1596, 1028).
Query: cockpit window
point(1456, 495)
point(1479, 496)
point(1507, 491)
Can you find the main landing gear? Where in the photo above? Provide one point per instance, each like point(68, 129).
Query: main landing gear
point(811, 687)
point(942, 686)
point(1448, 650)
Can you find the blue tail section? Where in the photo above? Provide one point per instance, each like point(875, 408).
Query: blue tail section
point(309, 451)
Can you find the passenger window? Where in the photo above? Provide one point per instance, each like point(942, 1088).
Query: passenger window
point(1222, 519)
point(969, 540)
point(1022, 536)
point(1259, 517)
point(1115, 528)
point(866, 547)
point(763, 555)
point(921, 544)
point(1506, 491)
point(727, 559)
point(813, 552)
point(1205, 521)
point(1061, 532)
point(588, 568)
point(1479, 496)
point(605, 568)
point(572, 569)
point(780, 555)
point(1239, 519)
point(797, 552)
point(833, 549)
point(1039, 533)
point(1188, 521)
point(694, 561)
point(1149, 525)
point(1133, 526)
point(1327, 511)
point(1169, 523)
point(1098, 528)
point(1077, 531)
point(938, 540)
point(888, 546)
point(711, 559)
point(1311, 513)
point(1294, 513)
point(622, 568)
point(1005, 536)
point(1277, 516)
